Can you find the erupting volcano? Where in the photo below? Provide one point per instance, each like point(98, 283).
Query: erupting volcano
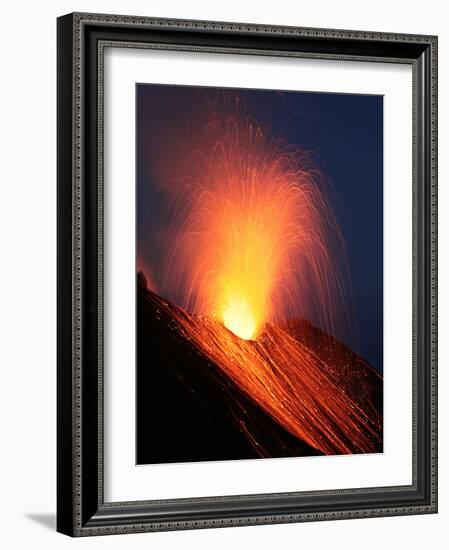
point(253, 251)
point(255, 241)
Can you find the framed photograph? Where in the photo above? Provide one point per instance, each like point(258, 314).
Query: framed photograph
point(247, 282)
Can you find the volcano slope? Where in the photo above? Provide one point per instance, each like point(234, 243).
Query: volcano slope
point(205, 394)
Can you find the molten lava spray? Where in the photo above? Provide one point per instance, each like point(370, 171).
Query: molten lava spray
point(256, 243)
point(257, 240)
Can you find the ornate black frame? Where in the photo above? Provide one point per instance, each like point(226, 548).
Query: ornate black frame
point(81, 509)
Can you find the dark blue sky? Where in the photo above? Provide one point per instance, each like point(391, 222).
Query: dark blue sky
point(344, 132)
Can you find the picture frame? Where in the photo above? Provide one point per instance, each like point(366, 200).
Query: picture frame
point(81, 506)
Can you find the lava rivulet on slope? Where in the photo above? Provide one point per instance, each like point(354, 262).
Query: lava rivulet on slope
point(253, 245)
point(288, 380)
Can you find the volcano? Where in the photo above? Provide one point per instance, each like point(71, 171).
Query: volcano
point(190, 409)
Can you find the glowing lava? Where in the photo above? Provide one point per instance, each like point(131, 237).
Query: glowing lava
point(256, 243)
point(289, 380)
point(255, 238)
point(238, 318)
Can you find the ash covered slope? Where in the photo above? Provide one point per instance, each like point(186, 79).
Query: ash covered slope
point(357, 377)
point(188, 409)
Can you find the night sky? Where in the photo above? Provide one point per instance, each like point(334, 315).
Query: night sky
point(343, 132)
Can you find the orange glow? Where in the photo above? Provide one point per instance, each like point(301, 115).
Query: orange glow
point(238, 318)
point(256, 243)
point(291, 383)
point(255, 237)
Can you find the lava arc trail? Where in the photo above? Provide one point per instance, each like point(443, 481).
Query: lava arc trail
point(257, 243)
point(291, 383)
point(256, 240)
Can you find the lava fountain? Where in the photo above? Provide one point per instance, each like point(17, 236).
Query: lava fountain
point(257, 243)
point(257, 240)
